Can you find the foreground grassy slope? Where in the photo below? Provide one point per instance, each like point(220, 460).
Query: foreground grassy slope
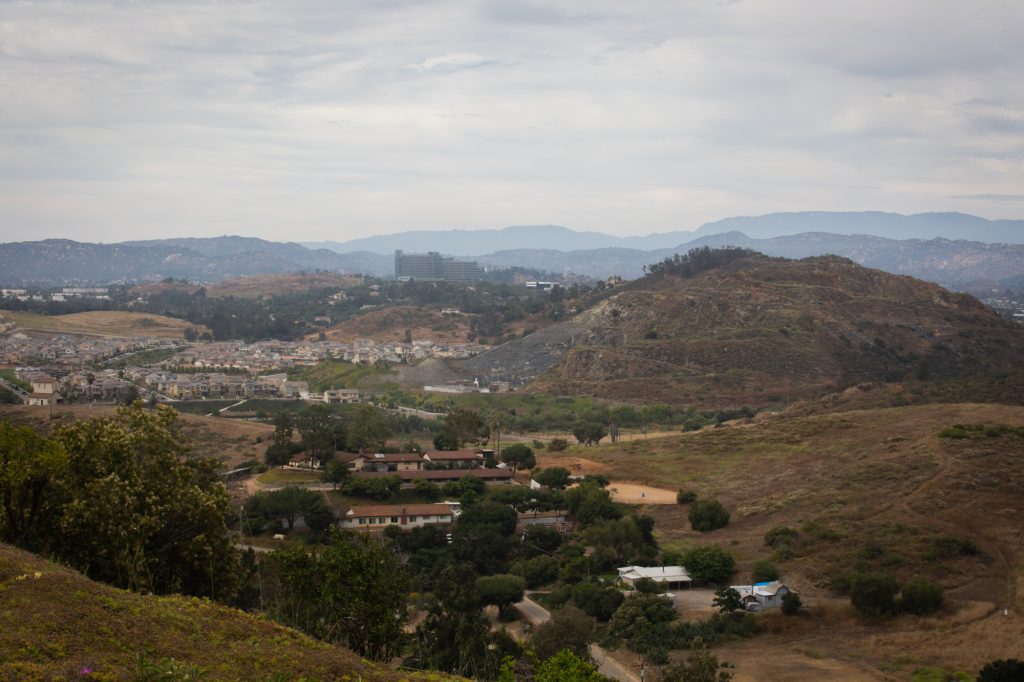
point(54, 622)
point(871, 490)
point(102, 323)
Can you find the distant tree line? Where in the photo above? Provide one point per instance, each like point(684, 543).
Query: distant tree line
point(696, 261)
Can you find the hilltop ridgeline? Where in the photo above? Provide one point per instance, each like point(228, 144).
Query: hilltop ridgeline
point(759, 330)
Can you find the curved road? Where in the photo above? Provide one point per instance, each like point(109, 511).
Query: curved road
point(606, 663)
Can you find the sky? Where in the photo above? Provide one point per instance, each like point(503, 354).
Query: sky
point(334, 119)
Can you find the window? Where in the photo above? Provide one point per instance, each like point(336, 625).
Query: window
point(362, 521)
point(412, 519)
point(394, 519)
point(381, 520)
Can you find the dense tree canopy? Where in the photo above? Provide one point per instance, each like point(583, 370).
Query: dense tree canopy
point(121, 501)
point(352, 591)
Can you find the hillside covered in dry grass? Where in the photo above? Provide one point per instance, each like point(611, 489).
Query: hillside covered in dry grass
point(762, 330)
point(881, 491)
point(54, 623)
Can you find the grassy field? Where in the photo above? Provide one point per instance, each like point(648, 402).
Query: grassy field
point(102, 323)
point(872, 490)
point(390, 324)
point(11, 376)
point(145, 357)
point(330, 374)
point(254, 286)
point(285, 477)
point(54, 623)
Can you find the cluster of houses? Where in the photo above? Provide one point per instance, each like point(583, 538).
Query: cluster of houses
point(65, 294)
point(102, 385)
point(217, 385)
point(68, 351)
point(273, 355)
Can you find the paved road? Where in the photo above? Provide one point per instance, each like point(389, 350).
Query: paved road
point(246, 548)
point(606, 664)
point(609, 667)
point(16, 390)
point(532, 611)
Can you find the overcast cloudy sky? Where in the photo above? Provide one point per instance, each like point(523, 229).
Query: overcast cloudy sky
point(333, 119)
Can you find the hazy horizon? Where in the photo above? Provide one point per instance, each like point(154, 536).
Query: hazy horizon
point(317, 121)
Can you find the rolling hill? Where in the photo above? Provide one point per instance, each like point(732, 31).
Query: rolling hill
point(46, 635)
point(55, 262)
point(102, 323)
point(952, 264)
point(758, 331)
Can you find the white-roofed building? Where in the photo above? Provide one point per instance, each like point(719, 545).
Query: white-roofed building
point(767, 595)
point(670, 577)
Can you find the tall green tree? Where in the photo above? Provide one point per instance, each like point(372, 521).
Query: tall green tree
point(317, 432)
point(352, 591)
point(501, 590)
point(134, 509)
point(367, 429)
point(709, 563)
point(29, 464)
point(589, 432)
point(589, 502)
point(519, 456)
point(463, 426)
point(283, 430)
point(569, 628)
point(455, 635)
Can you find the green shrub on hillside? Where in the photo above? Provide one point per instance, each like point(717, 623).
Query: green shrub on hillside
point(708, 515)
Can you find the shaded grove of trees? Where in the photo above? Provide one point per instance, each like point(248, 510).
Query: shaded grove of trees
point(121, 501)
point(322, 431)
point(696, 261)
point(351, 591)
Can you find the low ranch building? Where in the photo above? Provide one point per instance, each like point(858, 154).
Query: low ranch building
point(400, 461)
point(441, 476)
point(760, 596)
point(377, 517)
point(668, 577)
point(551, 519)
point(455, 459)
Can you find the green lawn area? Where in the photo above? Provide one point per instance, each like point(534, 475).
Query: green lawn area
point(146, 357)
point(10, 376)
point(331, 374)
point(286, 477)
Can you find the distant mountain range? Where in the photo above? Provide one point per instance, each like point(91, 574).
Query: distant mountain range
point(56, 262)
point(890, 225)
point(953, 264)
point(935, 249)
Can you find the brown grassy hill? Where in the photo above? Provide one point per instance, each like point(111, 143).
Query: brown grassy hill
point(765, 330)
point(254, 286)
point(874, 490)
point(55, 623)
point(102, 323)
point(389, 324)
